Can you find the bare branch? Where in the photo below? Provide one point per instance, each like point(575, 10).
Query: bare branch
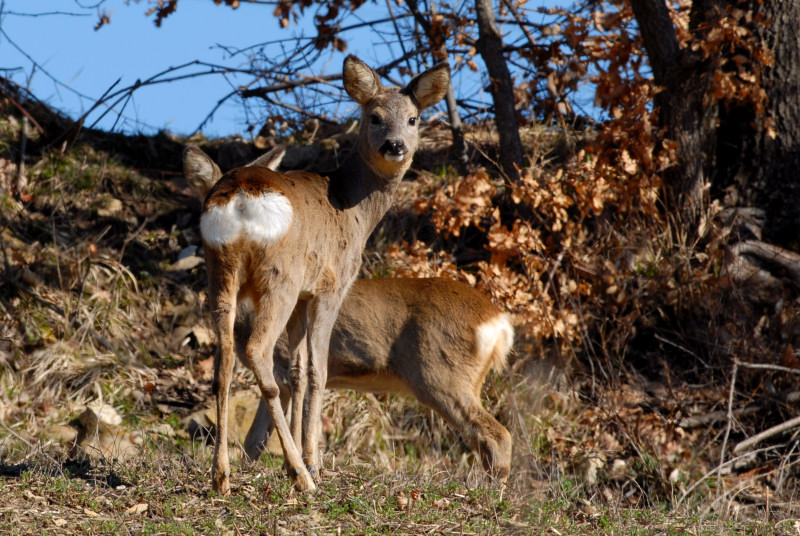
point(767, 366)
point(313, 80)
point(292, 84)
point(766, 434)
point(520, 21)
point(46, 14)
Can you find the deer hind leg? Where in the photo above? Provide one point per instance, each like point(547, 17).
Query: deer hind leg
point(321, 317)
point(487, 437)
point(224, 312)
point(298, 367)
point(271, 316)
point(258, 435)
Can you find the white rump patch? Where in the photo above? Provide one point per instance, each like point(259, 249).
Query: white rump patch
point(495, 338)
point(263, 219)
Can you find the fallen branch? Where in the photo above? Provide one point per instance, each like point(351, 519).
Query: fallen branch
point(711, 472)
point(696, 421)
point(766, 366)
point(769, 432)
point(770, 254)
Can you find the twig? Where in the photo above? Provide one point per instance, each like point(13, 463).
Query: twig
point(728, 427)
point(15, 434)
point(681, 347)
point(22, 180)
point(47, 14)
point(703, 478)
point(292, 84)
point(397, 32)
point(25, 112)
point(76, 127)
point(216, 107)
point(714, 416)
point(769, 432)
point(520, 21)
point(765, 366)
point(298, 110)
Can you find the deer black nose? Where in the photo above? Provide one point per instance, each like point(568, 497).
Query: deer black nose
point(394, 147)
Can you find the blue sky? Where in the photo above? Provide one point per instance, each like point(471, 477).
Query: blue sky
point(88, 62)
point(131, 47)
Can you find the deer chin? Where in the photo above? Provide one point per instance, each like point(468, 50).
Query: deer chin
point(394, 157)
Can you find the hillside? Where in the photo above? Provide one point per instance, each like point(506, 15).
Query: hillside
point(619, 424)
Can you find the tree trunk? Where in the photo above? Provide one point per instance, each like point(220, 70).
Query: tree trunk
point(439, 50)
point(759, 164)
point(726, 149)
point(490, 47)
point(682, 113)
point(459, 149)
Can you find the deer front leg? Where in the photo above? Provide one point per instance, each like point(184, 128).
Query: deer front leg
point(322, 315)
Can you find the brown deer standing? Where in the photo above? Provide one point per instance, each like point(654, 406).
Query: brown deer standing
point(291, 244)
point(434, 339)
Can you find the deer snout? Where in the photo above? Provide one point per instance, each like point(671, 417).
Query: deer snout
point(394, 150)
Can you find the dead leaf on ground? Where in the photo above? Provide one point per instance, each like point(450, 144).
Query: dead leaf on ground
point(137, 509)
point(204, 370)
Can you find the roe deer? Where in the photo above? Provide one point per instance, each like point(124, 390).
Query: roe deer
point(291, 244)
point(407, 341)
point(434, 339)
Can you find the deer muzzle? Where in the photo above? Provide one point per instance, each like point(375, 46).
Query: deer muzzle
point(394, 151)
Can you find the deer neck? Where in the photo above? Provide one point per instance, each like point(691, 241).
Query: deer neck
point(360, 187)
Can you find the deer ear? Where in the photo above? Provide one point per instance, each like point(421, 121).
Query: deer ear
point(429, 87)
point(200, 171)
point(360, 81)
point(271, 159)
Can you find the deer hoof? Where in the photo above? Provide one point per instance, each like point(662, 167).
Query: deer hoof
point(315, 473)
point(304, 482)
point(222, 484)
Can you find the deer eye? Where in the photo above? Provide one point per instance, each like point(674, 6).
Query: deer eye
point(412, 121)
point(374, 119)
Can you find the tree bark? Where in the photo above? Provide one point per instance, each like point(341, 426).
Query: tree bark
point(490, 47)
point(682, 113)
point(459, 149)
point(762, 166)
point(726, 149)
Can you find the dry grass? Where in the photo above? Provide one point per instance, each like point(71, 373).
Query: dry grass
point(93, 307)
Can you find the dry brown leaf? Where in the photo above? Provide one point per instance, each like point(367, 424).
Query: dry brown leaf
point(137, 509)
